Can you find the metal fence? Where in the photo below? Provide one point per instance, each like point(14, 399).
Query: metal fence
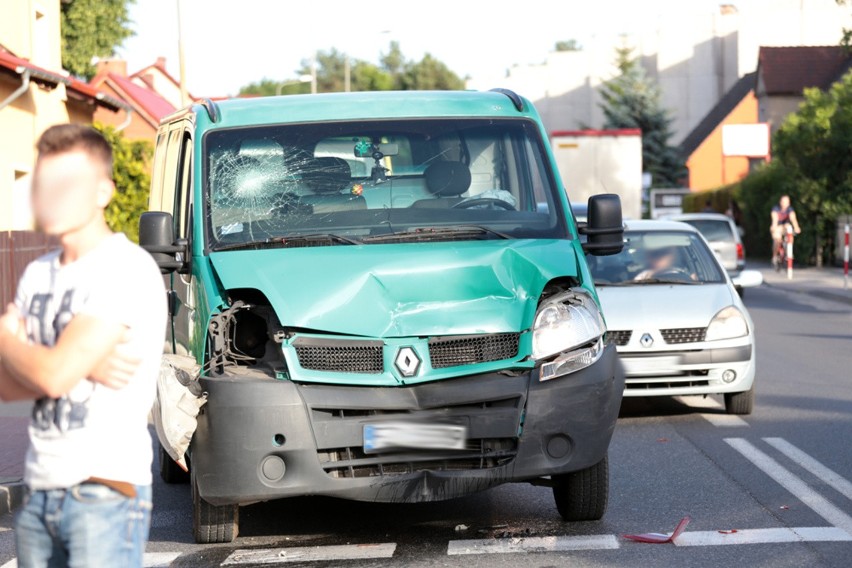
point(17, 249)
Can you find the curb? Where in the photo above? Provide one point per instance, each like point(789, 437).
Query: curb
point(11, 496)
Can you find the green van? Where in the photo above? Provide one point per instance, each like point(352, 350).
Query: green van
point(389, 299)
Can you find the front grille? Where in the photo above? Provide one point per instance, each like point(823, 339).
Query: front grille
point(352, 462)
point(673, 384)
point(684, 334)
point(620, 337)
point(459, 350)
point(339, 356)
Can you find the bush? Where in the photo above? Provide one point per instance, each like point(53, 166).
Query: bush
point(132, 174)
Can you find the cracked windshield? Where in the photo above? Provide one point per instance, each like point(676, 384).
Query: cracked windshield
point(367, 182)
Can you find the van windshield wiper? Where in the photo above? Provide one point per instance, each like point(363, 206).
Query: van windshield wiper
point(291, 241)
point(459, 232)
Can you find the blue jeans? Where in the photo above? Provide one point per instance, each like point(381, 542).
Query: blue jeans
point(85, 526)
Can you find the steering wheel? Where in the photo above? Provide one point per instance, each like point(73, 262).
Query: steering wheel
point(483, 201)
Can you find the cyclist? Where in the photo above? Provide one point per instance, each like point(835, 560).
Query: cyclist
point(782, 215)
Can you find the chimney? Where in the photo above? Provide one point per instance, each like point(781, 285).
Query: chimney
point(161, 62)
point(115, 66)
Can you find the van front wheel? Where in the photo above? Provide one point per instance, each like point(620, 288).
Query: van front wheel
point(211, 523)
point(582, 495)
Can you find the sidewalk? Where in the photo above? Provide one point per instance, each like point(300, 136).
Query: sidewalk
point(826, 282)
point(13, 448)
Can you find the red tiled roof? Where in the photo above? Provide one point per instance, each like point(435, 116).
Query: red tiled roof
point(51, 79)
point(147, 100)
point(162, 69)
point(790, 70)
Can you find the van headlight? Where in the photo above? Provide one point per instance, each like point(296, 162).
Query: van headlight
point(570, 327)
point(727, 324)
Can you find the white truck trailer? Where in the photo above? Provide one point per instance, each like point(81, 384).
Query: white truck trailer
point(601, 161)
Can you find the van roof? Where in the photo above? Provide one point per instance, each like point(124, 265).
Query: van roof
point(356, 106)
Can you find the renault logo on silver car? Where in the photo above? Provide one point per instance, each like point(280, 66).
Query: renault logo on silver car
point(407, 362)
point(646, 340)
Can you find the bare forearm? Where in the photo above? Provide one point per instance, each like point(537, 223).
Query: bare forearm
point(36, 368)
point(11, 389)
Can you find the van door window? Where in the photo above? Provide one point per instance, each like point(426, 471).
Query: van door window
point(183, 195)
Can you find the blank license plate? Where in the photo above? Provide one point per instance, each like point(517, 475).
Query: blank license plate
point(410, 435)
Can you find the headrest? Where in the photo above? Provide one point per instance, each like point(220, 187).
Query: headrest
point(447, 179)
point(326, 175)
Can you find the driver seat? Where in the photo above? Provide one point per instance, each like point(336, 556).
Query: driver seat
point(447, 181)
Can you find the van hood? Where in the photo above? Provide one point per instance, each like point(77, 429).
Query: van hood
point(402, 290)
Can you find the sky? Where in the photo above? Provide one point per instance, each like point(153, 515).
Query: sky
point(230, 43)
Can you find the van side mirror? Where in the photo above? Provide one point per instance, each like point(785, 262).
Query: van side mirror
point(605, 230)
point(157, 236)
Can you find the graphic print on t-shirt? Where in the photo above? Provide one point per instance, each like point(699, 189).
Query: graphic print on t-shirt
point(61, 413)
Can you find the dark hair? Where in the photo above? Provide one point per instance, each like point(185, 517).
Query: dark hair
point(64, 138)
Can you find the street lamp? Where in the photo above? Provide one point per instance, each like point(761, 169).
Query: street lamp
point(301, 79)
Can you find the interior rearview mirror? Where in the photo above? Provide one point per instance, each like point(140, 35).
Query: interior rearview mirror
point(366, 149)
point(156, 235)
point(604, 229)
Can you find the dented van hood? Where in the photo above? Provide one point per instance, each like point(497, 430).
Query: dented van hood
point(402, 290)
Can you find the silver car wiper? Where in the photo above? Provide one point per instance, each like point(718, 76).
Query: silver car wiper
point(665, 281)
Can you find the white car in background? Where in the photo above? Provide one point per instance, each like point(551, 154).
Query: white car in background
point(678, 323)
point(722, 234)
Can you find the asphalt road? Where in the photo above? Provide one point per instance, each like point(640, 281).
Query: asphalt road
point(781, 478)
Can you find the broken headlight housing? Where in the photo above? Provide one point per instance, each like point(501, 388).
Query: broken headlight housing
point(568, 328)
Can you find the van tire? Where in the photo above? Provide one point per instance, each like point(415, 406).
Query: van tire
point(210, 523)
point(583, 495)
point(740, 402)
point(170, 471)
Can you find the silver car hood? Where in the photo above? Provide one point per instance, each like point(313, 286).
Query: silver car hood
point(663, 306)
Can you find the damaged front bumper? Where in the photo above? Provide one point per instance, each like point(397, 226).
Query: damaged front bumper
point(261, 439)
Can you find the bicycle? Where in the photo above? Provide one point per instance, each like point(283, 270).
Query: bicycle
point(782, 246)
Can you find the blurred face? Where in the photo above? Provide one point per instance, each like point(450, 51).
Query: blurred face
point(660, 259)
point(785, 202)
point(70, 191)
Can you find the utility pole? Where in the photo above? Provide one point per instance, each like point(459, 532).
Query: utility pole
point(184, 97)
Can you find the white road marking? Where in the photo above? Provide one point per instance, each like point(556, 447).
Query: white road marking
point(830, 477)
point(725, 420)
point(763, 536)
point(4, 529)
point(310, 554)
point(532, 544)
point(159, 559)
point(819, 504)
point(13, 563)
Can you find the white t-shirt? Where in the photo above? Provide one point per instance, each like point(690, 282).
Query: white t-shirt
point(95, 431)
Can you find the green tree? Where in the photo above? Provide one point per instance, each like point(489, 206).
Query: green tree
point(632, 100)
point(92, 28)
point(394, 72)
point(846, 38)
point(131, 172)
point(568, 45)
point(813, 144)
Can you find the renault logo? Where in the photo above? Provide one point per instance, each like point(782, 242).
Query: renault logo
point(407, 362)
point(646, 340)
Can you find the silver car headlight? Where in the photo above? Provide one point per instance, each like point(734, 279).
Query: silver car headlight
point(570, 327)
point(729, 323)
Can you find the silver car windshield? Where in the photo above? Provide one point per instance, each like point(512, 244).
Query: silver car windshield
point(381, 181)
point(658, 257)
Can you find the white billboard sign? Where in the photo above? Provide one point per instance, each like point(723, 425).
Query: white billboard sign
point(745, 140)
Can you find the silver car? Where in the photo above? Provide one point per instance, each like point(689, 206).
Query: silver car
point(678, 323)
point(722, 234)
